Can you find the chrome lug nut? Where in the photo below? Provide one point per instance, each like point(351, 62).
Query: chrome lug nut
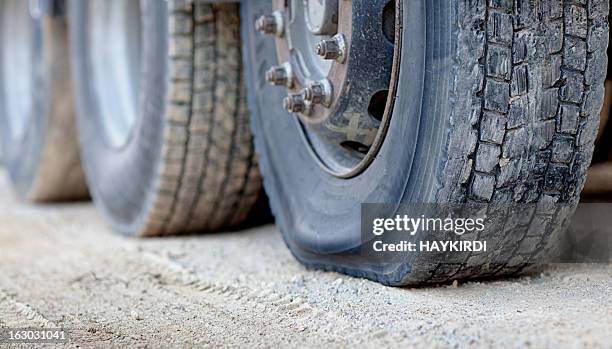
point(312, 94)
point(332, 49)
point(281, 75)
point(266, 24)
point(318, 93)
point(328, 49)
point(272, 24)
point(277, 76)
point(294, 103)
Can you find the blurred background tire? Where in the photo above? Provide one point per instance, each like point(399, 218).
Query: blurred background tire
point(37, 123)
point(163, 125)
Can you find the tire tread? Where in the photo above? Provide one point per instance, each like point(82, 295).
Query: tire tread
point(208, 178)
point(534, 102)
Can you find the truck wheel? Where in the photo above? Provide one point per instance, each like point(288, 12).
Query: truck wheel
point(163, 127)
point(431, 102)
point(37, 131)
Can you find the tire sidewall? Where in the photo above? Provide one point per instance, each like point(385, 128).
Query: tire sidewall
point(22, 154)
point(121, 179)
point(319, 214)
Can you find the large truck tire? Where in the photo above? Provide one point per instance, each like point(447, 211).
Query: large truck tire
point(37, 122)
point(497, 103)
point(164, 130)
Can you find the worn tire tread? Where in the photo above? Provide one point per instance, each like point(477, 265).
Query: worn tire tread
point(208, 178)
point(533, 88)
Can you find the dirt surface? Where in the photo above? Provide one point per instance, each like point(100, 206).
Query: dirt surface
point(61, 267)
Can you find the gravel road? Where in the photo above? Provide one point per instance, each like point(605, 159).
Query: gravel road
point(61, 267)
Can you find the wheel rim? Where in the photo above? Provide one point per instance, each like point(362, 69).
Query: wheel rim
point(17, 56)
point(114, 46)
point(340, 85)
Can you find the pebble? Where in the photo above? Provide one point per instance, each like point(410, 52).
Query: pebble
point(134, 314)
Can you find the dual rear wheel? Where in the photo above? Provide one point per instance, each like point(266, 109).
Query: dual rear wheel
point(162, 127)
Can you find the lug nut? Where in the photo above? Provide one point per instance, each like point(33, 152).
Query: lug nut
point(319, 92)
point(277, 76)
point(328, 49)
point(315, 93)
point(294, 103)
point(266, 24)
point(270, 24)
point(332, 49)
point(281, 75)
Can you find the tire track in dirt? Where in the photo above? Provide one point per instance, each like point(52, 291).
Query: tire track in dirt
point(61, 264)
point(18, 314)
point(99, 263)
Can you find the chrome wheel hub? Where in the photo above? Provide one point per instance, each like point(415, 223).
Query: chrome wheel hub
point(336, 65)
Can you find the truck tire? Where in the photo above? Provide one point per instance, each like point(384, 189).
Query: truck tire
point(163, 127)
point(497, 103)
point(37, 123)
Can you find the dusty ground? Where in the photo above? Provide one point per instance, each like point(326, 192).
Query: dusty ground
point(60, 266)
